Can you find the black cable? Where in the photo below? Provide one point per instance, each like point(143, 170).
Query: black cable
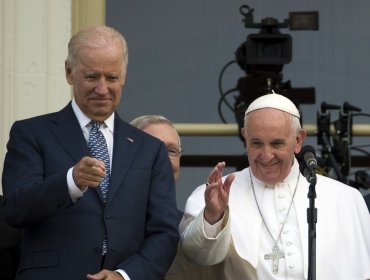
point(354, 172)
point(356, 148)
point(220, 82)
point(220, 104)
point(360, 114)
point(362, 146)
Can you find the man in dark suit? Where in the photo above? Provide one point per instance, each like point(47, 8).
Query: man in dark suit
point(53, 186)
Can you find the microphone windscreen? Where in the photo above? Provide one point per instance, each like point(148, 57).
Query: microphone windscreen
point(306, 149)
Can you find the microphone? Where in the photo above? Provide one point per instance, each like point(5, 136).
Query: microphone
point(308, 155)
point(308, 163)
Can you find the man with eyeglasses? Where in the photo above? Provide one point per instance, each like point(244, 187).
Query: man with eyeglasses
point(162, 128)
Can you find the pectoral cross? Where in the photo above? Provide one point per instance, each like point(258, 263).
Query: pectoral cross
point(275, 255)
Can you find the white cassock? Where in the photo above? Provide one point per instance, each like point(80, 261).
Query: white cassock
point(342, 230)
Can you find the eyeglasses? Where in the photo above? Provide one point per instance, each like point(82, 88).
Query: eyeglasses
point(174, 151)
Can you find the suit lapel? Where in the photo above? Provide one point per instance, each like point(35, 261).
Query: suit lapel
point(125, 145)
point(68, 132)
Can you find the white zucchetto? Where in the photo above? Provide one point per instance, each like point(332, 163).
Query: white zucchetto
point(275, 101)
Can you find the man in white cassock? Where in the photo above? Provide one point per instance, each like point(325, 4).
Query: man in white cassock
point(254, 222)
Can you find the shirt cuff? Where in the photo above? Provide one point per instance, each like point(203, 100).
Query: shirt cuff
point(123, 274)
point(212, 231)
point(73, 190)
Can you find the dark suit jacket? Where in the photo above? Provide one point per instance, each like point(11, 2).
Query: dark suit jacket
point(9, 248)
point(62, 239)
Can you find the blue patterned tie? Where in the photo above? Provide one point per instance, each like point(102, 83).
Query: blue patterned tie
point(98, 148)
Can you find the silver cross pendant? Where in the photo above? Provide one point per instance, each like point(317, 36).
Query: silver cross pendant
point(275, 255)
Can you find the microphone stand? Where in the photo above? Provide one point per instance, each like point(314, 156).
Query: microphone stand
point(310, 174)
point(323, 137)
point(327, 152)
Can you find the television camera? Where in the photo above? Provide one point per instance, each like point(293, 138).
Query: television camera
point(263, 55)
